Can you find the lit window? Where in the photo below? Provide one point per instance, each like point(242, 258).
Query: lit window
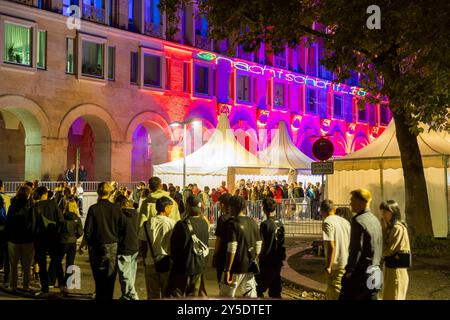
point(111, 62)
point(362, 114)
point(279, 100)
point(311, 103)
point(17, 45)
point(201, 80)
point(152, 70)
point(41, 49)
point(243, 88)
point(69, 55)
point(92, 61)
point(337, 106)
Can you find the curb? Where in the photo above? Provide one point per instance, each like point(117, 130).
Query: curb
point(291, 276)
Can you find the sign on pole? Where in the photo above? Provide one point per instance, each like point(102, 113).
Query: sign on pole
point(324, 167)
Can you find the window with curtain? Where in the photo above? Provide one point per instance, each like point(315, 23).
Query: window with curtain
point(92, 59)
point(17, 44)
point(152, 71)
point(111, 62)
point(362, 114)
point(243, 88)
point(337, 106)
point(69, 55)
point(279, 100)
point(201, 80)
point(41, 49)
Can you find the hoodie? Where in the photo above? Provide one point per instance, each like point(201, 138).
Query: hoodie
point(71, 229)
point(148, 207)
point(128, 240)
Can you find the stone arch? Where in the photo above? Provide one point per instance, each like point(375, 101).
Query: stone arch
point(151, 141)
point(17, 109)
point(359, 142)
point(105, 132)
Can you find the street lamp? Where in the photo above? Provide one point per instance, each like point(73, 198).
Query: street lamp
point(184, 124)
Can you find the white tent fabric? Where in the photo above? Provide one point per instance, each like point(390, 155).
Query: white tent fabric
point(219, 159)
point(378, 168)
point(283, 153)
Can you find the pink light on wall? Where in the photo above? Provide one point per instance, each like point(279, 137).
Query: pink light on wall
point(263, 118)
point(351, 128)
point(296, 121)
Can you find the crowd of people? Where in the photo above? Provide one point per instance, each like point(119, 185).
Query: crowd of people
point(168, 229)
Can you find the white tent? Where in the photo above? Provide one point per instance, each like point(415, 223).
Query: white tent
point(378, 168)
point(220, 159)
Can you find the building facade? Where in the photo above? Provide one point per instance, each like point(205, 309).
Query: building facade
point(110, 84)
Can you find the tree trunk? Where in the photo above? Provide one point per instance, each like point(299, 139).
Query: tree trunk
point(417, 209)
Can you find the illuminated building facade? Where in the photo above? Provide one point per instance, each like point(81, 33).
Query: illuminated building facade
point(111, 83)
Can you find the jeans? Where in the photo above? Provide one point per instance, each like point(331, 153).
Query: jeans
point(269, 278)
point(69, 250)
point(127, 265)
point(103, 260)
point(334, 284)
point(247, 283)
point(23, 252)
point(47, 277)
point(156, 282)
point(4, 259)
point(184, 285)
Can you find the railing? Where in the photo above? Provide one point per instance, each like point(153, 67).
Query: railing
point(153, 29)
point(92, 13)
point(88, 186)
point(297, 216)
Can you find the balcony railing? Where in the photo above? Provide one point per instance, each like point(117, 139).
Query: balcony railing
point(153, 29)
point(92, 13)
point(202, 42)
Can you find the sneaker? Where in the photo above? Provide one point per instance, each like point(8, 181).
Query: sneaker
point(41, 294)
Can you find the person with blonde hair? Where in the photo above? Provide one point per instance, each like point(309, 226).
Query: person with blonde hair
point(362, 279)
point(396, 241)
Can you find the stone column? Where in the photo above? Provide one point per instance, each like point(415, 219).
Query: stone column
point(121, 161)
point(54, 158)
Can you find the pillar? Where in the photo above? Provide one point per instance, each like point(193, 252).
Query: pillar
point(121, 161)
point(53, 160)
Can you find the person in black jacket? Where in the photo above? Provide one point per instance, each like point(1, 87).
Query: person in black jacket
point(69, 231)
point(128, 249)
point(272, 253)
point(48, 218)
point(186, 275)
point(19, 232)
point(103, 227)
point(362, 278)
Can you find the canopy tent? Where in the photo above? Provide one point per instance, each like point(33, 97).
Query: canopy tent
point(220, 159)
point(378, 168)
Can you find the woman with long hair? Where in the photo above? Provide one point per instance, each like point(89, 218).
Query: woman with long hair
point(395, 241)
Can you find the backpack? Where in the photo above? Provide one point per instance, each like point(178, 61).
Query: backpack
point(199, 248)
point(278, 241)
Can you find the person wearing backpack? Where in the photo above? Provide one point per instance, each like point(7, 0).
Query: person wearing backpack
point(188, 263)
point(273, 252)
point(48, 218)
point(19, 232)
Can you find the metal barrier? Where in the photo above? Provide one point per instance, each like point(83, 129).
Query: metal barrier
point(297, 216)
point(88, 186)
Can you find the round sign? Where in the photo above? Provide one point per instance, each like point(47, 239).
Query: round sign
point(323, 149)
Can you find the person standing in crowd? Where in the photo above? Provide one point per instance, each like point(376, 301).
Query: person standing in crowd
point(156, 232)
point(273, 252)
point(309, 200)
point(128, 249)
point(396, 240)
point(144, 195)
point(49, 219)
point(70, 230)
point(336, 238)
point(362, 279)
point(79, 197)
point(5, 202)
point(206, 201)
point(70, 174)
point(316, 201)
point(267, 193)
point(137, 194)
point(215, 194)
point(186, 275)
point(102, 230)
point(195, 189)
point(299, 197)
point(243, 244)
point(82, 173)
point(148, 207)
point(220, 250)
point(223, 188)
point(19, 232)
point(178, 199)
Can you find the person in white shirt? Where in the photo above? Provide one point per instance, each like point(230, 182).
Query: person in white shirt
point(336, 238)
point(156, 232)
